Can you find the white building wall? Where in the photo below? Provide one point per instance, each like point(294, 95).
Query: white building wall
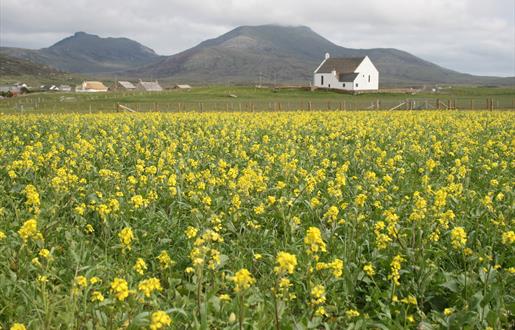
point(368, 78)
point(330, 81)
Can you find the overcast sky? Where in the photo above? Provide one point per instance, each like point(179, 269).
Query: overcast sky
point(474, 36)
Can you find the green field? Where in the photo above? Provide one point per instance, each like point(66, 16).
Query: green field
point(218, 98)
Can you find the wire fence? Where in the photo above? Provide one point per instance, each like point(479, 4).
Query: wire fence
point(64, 105)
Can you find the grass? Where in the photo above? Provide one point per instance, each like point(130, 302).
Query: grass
point(218, 98)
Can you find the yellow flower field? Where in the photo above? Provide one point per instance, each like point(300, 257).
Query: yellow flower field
point(360, 220)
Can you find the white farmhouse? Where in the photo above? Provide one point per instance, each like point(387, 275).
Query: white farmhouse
point(351, 74)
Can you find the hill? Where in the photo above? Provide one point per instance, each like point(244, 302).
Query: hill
point(12, 66)
point(290, 55)
point(89, 54)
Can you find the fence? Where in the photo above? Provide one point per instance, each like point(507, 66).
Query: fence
point(33, 105)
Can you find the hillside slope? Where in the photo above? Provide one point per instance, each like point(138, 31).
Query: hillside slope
point(12, 66)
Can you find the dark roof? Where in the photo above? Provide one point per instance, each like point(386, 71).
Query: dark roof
point(341, 65)
point(348, 77)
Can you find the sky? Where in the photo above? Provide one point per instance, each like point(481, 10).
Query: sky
point(472, 36)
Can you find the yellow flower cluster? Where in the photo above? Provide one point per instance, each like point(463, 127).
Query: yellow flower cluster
point(29, 230)
point(458, 237)
point(336, 267)
point(159, 320)
point(33, 200)
point(126, 236)
point(140, 266)
point(508, 238)
point(242, 280)
point(120, 289)
point(314, 241)
point(395, 267)
point(318, 294)
point(150, 285)
point(286, 263)
point(164, 260)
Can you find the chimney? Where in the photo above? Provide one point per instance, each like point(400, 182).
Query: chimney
point(327, 56)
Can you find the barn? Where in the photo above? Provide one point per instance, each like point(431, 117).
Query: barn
point(149, 86)
point(351, 74)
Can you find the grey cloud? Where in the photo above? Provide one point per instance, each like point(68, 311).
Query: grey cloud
point(474, 36)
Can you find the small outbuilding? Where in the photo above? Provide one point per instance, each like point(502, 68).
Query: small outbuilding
point(149, 86)
point(65, 88)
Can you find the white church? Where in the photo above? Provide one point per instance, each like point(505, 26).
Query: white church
point(350, 74)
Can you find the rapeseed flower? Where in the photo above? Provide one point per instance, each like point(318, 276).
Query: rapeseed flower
point(395, 267)
point(369, 269)
point(314, 241)
point(286, 263)
point(508, 237)
point(97, 296)
point(351, 313)
point(164, 260)
point(159, 320)
point(150, 285)
point(140, 266)
point(191, 232)
point(126, 236)
point(318, 295)
point(458, 237)
point(30, 230)
point(120, 288)
point(242, 280)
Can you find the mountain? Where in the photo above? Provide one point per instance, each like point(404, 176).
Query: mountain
point(247, 54)
point(88, 53)
point(290, 55)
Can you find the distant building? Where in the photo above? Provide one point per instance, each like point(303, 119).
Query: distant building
point(91, 87)
point(352, 74)
point(149, 86)
point(183, 86)
point(15, 89)
point(65, 88)
point(127, 85)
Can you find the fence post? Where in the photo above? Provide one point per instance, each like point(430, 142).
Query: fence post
point(309, 105)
